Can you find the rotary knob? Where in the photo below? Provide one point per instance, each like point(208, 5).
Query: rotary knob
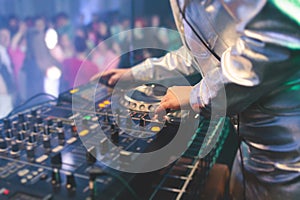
point(30, 152)
point(46, 142)
point(15, 150)
point(71, 183)
point(21, 118)
point(3, 145)
point(32, 138)
point(59, 123)
point(56, 179)
point(6, 124)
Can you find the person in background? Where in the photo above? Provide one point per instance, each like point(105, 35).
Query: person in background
point(162, 35)
point(104, 57)
point(63, 49)
point(38, 60)
point(248, 54)
point(7, 85)
point(13, 24)
point(91, 39)
point(17, 50)
point(63, 25)
point(102, 31)
point(77, 68)
point(115, 25)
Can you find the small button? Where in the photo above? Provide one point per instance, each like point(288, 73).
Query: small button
point(94, 119)
point(106, 102)
point(40, 169)
point(29, 177)
point(101, 105)
point(34, 173)
point(71, 140)
point(155, 129)
point(74, 91)
point(84, 132)
point(23, 172)
point(42, 158)
point(23, 181)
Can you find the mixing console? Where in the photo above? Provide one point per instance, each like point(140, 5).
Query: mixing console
point(54, 150)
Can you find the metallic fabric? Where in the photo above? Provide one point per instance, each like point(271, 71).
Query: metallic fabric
point(252, 50)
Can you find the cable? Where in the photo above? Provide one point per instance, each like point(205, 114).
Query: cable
point(28, 101)
point(241, 157)
point(198, 36)
point(96, 171)
point(132, 192)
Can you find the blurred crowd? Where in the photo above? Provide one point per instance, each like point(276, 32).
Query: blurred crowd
point(44, 55)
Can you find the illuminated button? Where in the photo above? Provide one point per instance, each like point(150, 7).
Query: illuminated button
point(41, 158)
point(84, 132)
point(29, 177)
point(40, 169)
point(87, 117)
point(71, 140)
point(94, 126)
point(5, 192)
point(23, 172)
point(57, 149)
point(74, 116)
point(101, 105)
point(106, 102)
point(74, 128)
point(35, 173)
point(125, 153)
point(74, 91)
point(23, 180)
point(155, 129)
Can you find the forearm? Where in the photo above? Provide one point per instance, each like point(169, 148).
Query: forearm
point(16, 39)
point(173, 64)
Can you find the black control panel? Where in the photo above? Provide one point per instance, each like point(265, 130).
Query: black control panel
point(54, 150)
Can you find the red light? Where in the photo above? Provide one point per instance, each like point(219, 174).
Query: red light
point(74, 129)
point(6, 192)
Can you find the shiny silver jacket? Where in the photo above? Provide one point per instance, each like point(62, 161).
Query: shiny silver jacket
point(250, 50)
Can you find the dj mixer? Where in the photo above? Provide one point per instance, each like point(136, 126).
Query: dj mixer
point(54, 150)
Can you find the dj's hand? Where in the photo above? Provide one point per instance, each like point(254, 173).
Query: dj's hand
point(111, 77)
point(177, 97)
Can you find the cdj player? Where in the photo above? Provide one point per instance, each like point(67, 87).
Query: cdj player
point(54, 150)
